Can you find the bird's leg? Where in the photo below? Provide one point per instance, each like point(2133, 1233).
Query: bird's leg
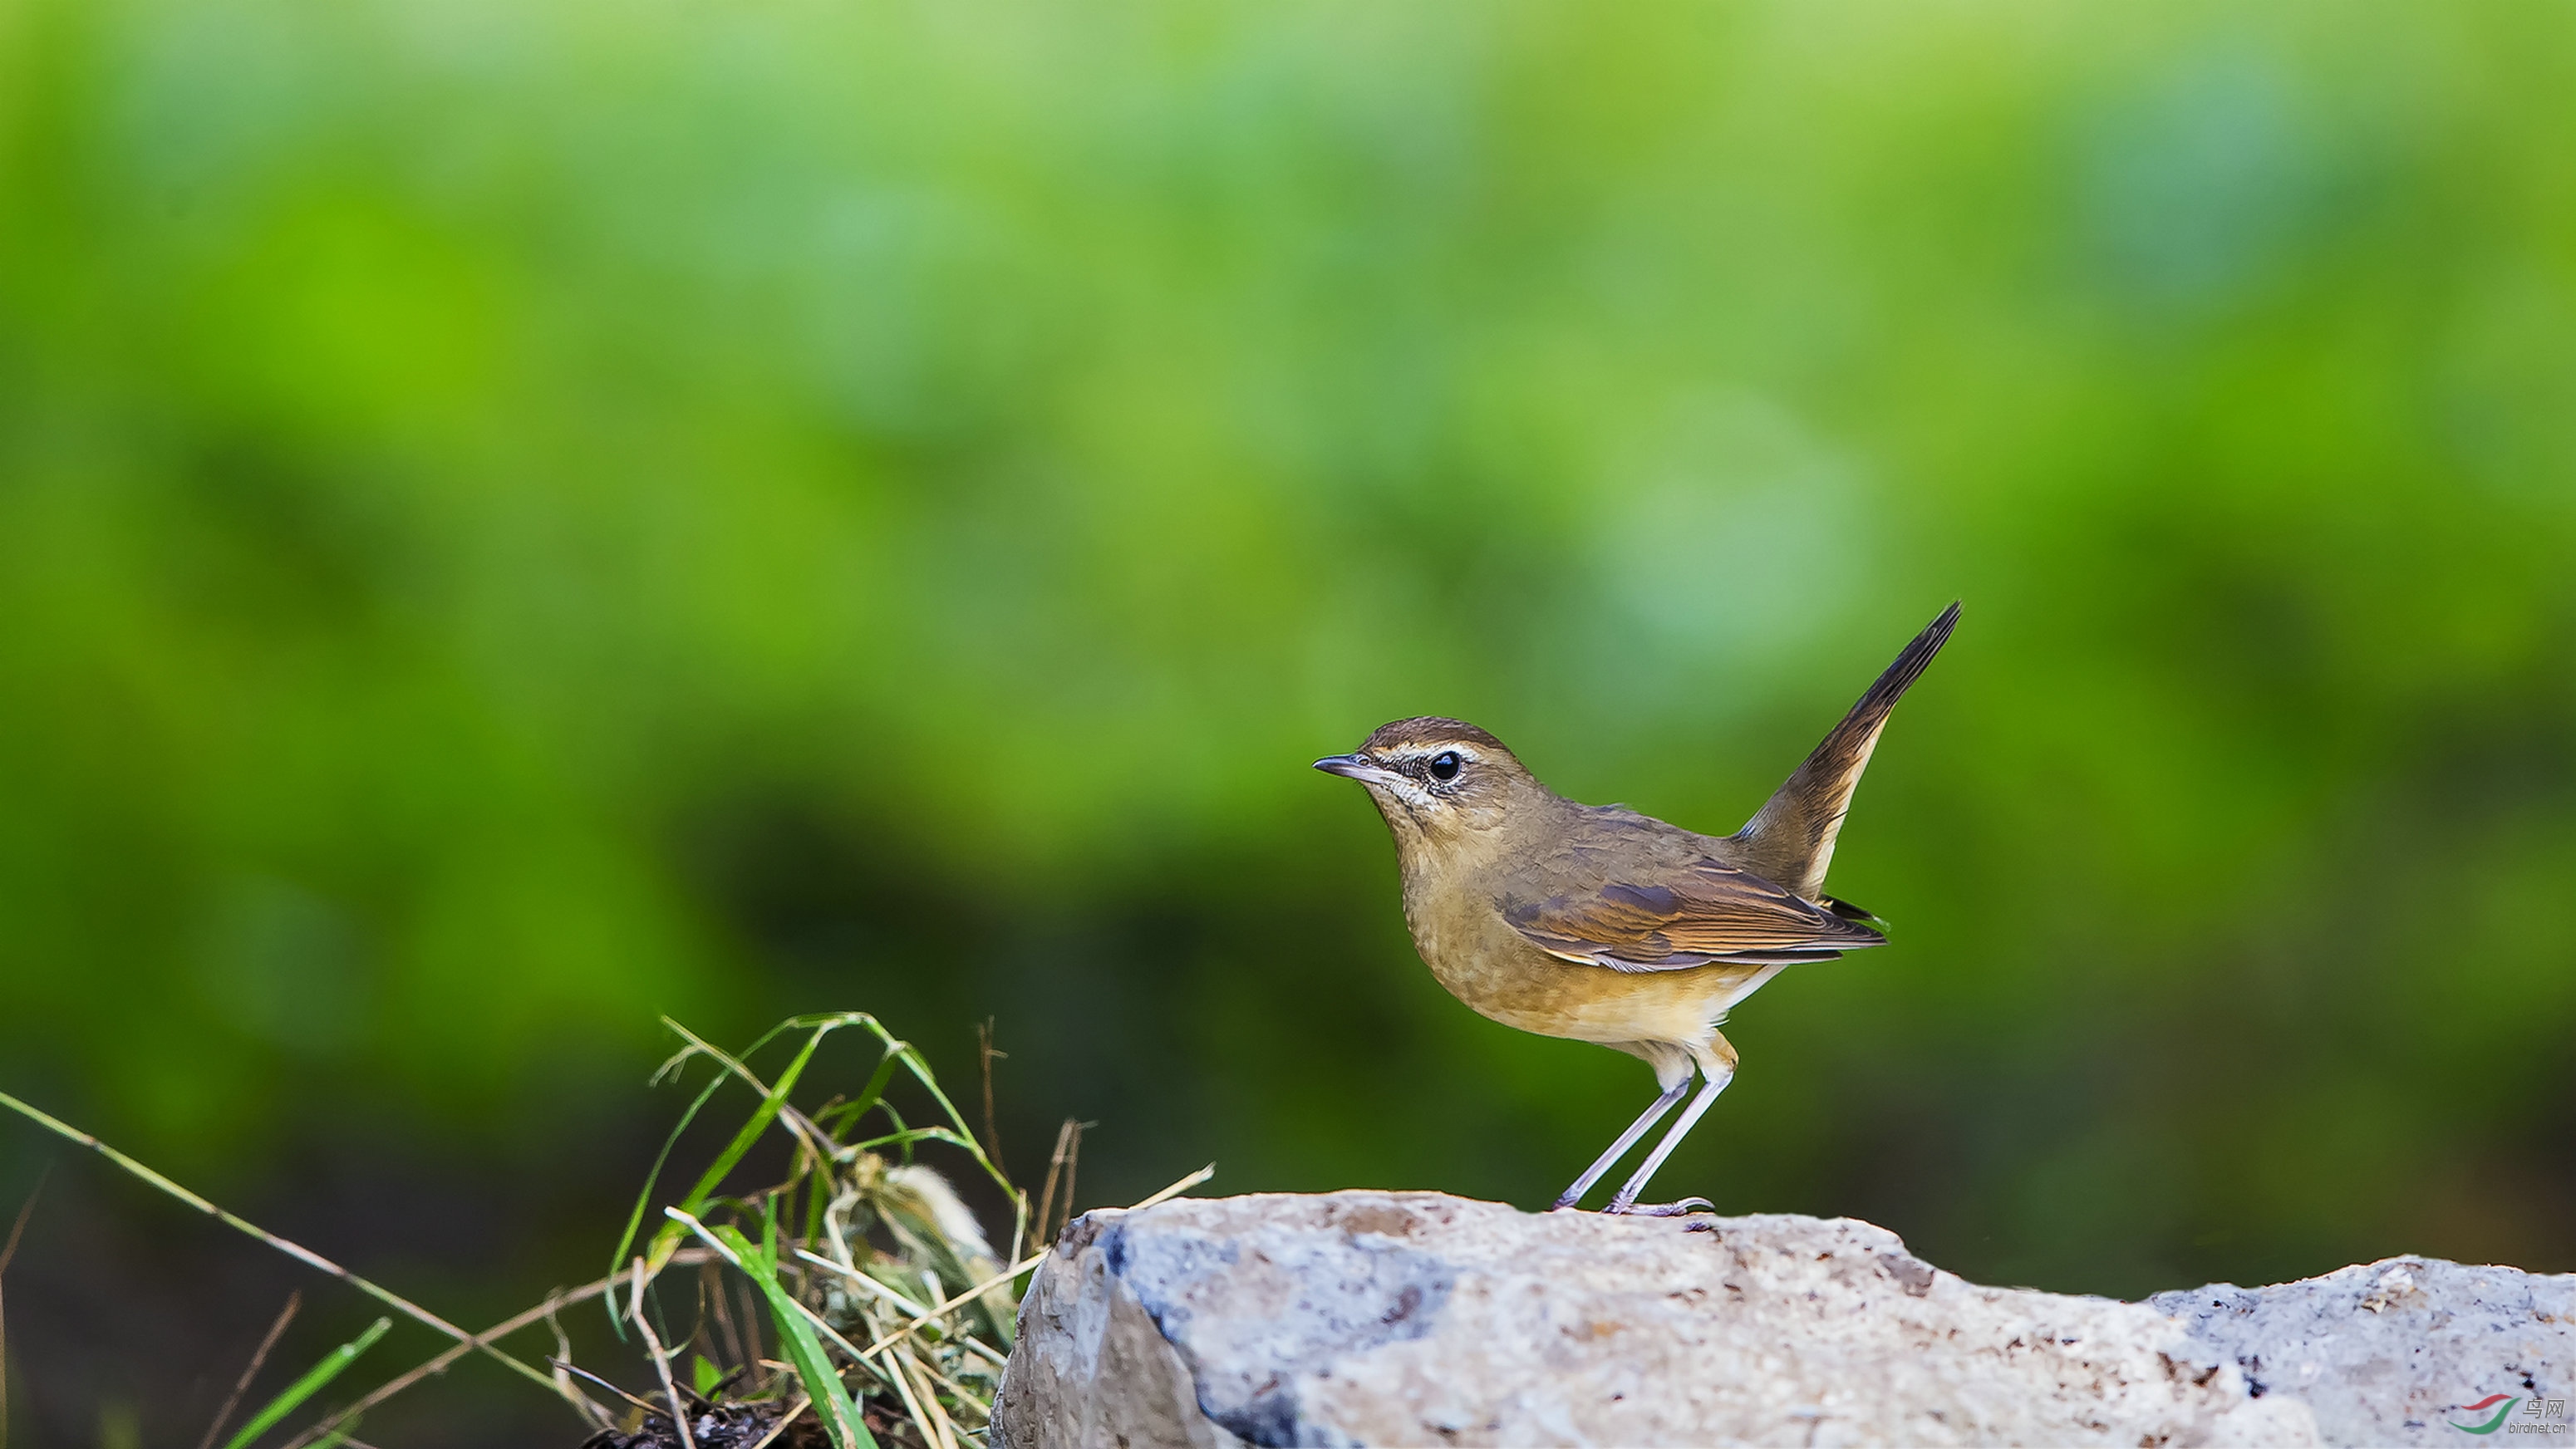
point(1719, 1068)
point(1653, 1114)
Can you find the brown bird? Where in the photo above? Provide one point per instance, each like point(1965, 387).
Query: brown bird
point(1600, 924)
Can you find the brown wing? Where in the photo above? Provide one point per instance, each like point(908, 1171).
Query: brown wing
point(1704, 913)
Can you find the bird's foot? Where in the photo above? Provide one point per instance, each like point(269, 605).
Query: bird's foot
point(1683, 1208)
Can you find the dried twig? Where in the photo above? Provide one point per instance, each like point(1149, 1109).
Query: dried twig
point(7, 1255)
point(661, 1361)
point(1176, 1189)
point(794, 1412)
point(992, 1134)
point(914, 1361)
point(911, 1402)
point(504, 1329)
point(258, 1356)
point(861, 1279)
point(922, 1316)
point(296, 1251)
point(821, 1325)
point(942, 1308)
point(943, 1433)
point(563, 1357)
point(712, 1289)
point(642, 1405)
point(964, 1394)
point(751, 1347)
point(1068, 1146)
point(18, 1229)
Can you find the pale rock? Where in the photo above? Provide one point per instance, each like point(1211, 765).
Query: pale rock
point(2383, 1352)
point(1416, 1318)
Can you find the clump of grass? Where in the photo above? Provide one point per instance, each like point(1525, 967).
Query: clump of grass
point(854, 1302)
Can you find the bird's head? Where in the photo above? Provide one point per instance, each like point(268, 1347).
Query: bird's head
point(1440, 783)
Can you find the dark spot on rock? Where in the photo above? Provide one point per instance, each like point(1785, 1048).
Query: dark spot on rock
point(1913, 1273)
point(1269, 1420)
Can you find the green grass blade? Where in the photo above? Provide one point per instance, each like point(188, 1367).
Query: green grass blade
point(635, 1219)
point(909, 1136)
point(309, 1385)
point(868, 1097)
point(831, 1399)
point(668, 1238)
point(644, 1198)
point(965, 1137)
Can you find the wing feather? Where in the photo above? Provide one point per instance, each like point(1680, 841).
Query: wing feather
point(1703, 913)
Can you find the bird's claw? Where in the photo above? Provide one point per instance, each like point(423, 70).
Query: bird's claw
point(1683, 1208)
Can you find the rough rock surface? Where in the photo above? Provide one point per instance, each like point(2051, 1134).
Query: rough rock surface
point(1416, 1318)
point(2383, 1352)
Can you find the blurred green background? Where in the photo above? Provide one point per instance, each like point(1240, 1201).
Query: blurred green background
point(517, 518)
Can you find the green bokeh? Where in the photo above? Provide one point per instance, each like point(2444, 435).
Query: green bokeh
point(516, 518)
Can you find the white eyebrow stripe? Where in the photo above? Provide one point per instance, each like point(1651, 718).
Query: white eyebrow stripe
point(1435, 751)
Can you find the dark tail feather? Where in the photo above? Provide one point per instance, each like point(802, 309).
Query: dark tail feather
point(1791, 840)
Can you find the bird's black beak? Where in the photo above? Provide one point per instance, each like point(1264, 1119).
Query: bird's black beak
point(1357, 767)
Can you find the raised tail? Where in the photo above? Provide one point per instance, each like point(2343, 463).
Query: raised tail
point(1790, 841)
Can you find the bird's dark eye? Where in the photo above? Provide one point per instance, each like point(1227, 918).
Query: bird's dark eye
point(1444, 765)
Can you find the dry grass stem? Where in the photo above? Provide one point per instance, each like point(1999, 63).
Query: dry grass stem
point(986, 1053)
point(18, 1229)
point(911, 1273)
point(296, 1251)
point(948, 1305)
point(1176, 1189)
point(599, 1416)
point(713, 1291)
point(644, 1406)
point(821, 1324)
point(258, 1356)
point(1068, 1145)
point(542, 1312)
point(902, 1383)
point(751, 1347)
point(958, 1391)
point(661, 1361)
point(944, 1433)
point(862, 1280)
point(9, 1254)
point(794, 1412)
